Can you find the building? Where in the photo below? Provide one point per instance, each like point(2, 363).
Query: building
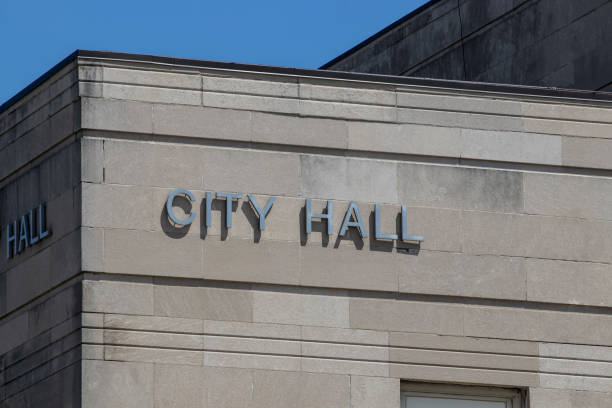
point(553, 43)
point(157, 249)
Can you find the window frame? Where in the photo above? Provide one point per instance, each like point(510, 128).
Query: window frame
point(513, 397)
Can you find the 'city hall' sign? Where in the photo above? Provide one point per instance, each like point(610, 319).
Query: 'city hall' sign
point(352, 217)
point(28, 230)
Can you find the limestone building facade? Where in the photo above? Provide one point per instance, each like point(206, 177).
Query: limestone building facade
point(459, 243)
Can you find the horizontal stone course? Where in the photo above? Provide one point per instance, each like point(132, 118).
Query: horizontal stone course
point(285, 89)
point(465, 375)
point(461, 359)
point(151, 94)
point(152, 323)
point(141, 77)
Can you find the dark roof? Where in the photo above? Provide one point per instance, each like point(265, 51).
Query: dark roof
point(389, 79)
point(379, 34)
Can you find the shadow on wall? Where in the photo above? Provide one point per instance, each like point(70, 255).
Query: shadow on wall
point(319, 226)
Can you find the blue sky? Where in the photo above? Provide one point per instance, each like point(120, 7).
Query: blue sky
point(36, 34)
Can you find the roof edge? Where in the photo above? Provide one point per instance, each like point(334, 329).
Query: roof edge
point(316, 73)
point(34, 84)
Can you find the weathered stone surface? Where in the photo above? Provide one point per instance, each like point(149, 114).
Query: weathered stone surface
point(458, 103)
point(14, 332)
point(568, 196)
point(255, 361)
point(152, 339)
point(583, 283)
point(348, 179)
point(115, 206)
point(145, 77)
point(575, 352)
point(151, 94)
point(92, 160)
point(353, 111)
point(410, 316)
point(404, 138)
point(464, 375)
point(251, 345)
point(345, 351)
point(511, 146)
point(153, 355)
point(582, 152)
point(299, 131)
point(336, 335)
point(375, 392)
point(118, 297)
point(227, 387)
point(179, 386)
point(443, 273)
point(460, 188)
point(346, 94)
point(203, 303)
point(460, 359)
point(153, 323)
point(286, 88)
point(250, 102)
point(301, 306)
point(199, 122)
point(537, 325)
point(536, 236)
point(348, 268)
point(242, 329)
point(462, 343)
point(300, 390)
point(114, 383)
point(266, 261)
point(333, 366)
point(196, 167)
point(141, 252)
point(118, 115)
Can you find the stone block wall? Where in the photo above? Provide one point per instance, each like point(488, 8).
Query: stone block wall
point(40, 290)
point(509, 288)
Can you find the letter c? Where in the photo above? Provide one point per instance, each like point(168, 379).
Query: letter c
point(170, 210)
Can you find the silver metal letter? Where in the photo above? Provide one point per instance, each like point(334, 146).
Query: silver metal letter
point(170, 210)
point(208, 207)
point(262, 214)
point(353, 210)
point(405, 236)
point(32, 218)
point(43, 231)
point(229, 198)
point(377, 232)
point(23, 234)
point(11, 238)
point(327, 217)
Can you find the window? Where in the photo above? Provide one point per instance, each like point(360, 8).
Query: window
point(422, 395)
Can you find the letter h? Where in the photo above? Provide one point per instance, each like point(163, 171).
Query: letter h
point(328, 217)
point(11, 238)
